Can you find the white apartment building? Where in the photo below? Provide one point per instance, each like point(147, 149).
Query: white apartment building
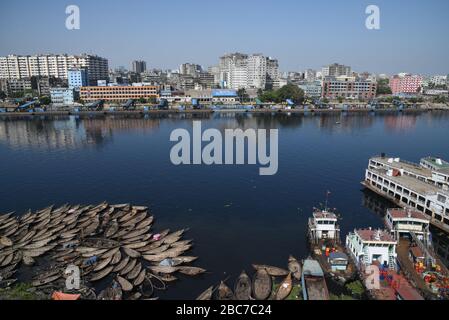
point(336, 70)
point(19, 67)
point(238, 70)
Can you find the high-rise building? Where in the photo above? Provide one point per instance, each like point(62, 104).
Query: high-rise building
point(139, 66)
point(238, 70)
point(19, 67)
point(190, 69)
point(77, 78)
point(336, 70)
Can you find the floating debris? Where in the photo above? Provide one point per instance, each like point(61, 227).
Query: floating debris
point(107, 242)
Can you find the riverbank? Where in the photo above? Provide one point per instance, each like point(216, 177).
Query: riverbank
point(210, 111)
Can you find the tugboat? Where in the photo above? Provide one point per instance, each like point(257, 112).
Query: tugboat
point(326, 247)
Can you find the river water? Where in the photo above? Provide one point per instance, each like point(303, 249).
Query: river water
point(236, 217)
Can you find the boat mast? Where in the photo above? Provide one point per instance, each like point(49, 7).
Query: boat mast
point(327, 200)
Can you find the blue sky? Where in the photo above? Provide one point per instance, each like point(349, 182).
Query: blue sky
point(301, 34)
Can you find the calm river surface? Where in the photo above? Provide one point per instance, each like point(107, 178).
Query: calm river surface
point(235, 216)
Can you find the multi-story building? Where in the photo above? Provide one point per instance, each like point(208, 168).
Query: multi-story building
point(139, 66)
point(336, 70)
point(62, 96)
point(119, 93)
point(190, 69)
point(406, 84)
point(310, 75)
point(238, 70)
point(348, 88)
point(312, 89)
point(19, 67)
point(77, 78)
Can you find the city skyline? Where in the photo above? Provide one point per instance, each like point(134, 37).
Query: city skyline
point(301, 35)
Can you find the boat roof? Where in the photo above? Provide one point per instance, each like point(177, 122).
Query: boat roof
point(324, 214)
point(338, 255)
point(407, 213)
point(374, 235)
point(313, 268)
point(397, 163)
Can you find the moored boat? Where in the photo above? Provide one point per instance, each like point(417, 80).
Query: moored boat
point(313, 282)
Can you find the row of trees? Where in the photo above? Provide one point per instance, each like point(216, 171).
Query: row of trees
point(289, 91)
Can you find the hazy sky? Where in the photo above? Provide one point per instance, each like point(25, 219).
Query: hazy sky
point(301, 34)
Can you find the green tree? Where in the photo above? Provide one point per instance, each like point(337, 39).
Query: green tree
point(383, 87)
point(142, 100)
point(152, 100)
point(45, 100)
point(340, 99)
point(292, 92)
point(244, 97)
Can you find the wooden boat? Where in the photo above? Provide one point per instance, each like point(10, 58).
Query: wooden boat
point(45, 280)
point(111, 229)
point(207, 294)
point(114, 292)
point(157, 250)
point(124, 284)
point(131, 252)
point(262, 284)
point(5, 241)
point(285, 288)
point(131, 264)
point(147, 287)
point(102, 264)
point(224, 292)
point(272, 271)
point(140, 278)
point(182, 259)
point(134, 273)
point(100, 243)
point(122, 264)
point(242, 288)
point(116, 258)
point(313, 281)
point(101, 274)
point(190, 271)
point(167, 277)
point(294, 267)
point(163, 269)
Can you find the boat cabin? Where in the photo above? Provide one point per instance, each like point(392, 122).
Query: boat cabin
point(323, 226)
point(338, 261)
point(368, 246)
point(408, 223)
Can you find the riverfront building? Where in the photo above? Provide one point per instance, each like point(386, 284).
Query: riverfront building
point(62, 96)
point(77, 78)
point(18, 67)
point(412, 186)
point(348, 88)
point(118, 93)
point(368, 246)
point(406, 84)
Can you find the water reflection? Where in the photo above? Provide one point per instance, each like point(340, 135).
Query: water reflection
point(80, 131)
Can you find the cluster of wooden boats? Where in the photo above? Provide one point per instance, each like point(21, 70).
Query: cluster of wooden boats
point(106, 242)
point(262, 286)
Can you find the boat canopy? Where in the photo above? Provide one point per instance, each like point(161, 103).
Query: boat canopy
point(312, 268)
